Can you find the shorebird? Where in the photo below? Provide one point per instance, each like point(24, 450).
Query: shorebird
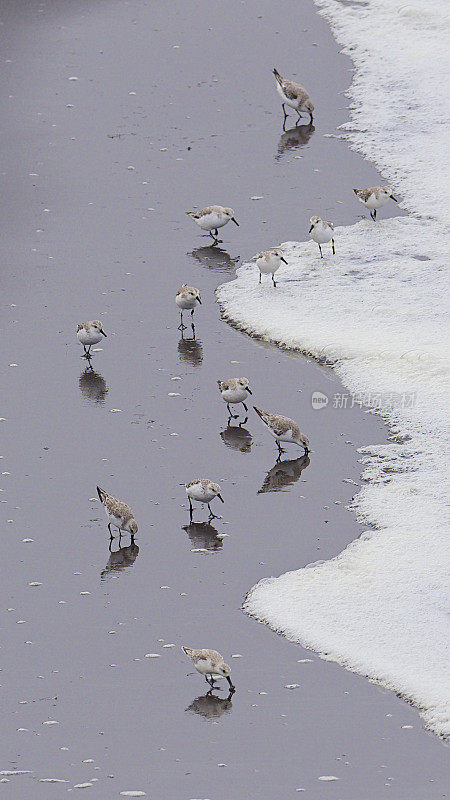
point(283, 429)
point(234, 390)
point(321, 232)
point(212, 218)
point(118, 513)
point(203, 491)
point(293, 95)
point(209, 663)
point(269, 261)
point(89, 333)
point(374, 198)
point(186, 298)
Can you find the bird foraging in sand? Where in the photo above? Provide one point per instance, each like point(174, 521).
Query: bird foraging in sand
point(212, 218)
point(89, 333)
point(293, 95)
point(321, 232)
point(187, 298)
point(118, 513)
point(210, 664)
point(374, 198)
point(269, 261)
point(234, 390)
point(283, 429)
point(203, 491)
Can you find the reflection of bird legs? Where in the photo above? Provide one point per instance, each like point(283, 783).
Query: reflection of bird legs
point(285, 116)
point(87, 353)
point(280, 450)
point(191, 510)
point(243, 422)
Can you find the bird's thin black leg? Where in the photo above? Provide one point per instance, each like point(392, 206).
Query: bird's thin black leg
point(110, 531)
point(332, 244)
point(260, 277)
point(191, 510)
point(321, 254)
point(181, 326)
point(211, 515)
point(244, 406)
point(273, 279)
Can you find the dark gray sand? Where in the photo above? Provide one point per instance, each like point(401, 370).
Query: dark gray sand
point(174, 105)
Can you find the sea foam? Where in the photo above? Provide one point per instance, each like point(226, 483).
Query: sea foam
point(377, 311)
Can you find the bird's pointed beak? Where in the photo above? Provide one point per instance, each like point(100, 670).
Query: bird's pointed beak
point(232, 686)
point(257, 411)
point(312, 226)
point(393, 198)
point(103, 332)
point(235, 221)
point(199, 300)
point(220, 498)
point(283, 259)
point(249, 390)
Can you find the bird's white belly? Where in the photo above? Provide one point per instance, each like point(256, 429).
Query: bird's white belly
point(211, 221)
point(234, 395)
point(197, 492)
point(204, 666)
point(116, 521)
point(291, 103)
point(322, 235)
point(186, 302)
point(88, 338)
point(269, 266)
point(284, 437)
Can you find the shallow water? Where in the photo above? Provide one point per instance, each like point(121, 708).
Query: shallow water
point(80, 242)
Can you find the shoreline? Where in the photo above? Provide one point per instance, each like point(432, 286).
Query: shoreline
point(90, 642)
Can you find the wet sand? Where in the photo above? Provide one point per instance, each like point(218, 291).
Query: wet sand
point(98, 174)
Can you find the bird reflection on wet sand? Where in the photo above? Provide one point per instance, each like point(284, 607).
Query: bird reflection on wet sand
point(93, 385)
point(214, 258)
point(283, 474)
point(238, 438)
point(120, 559)
point(210, 706)
point(190, 350)
point(204, 535)
point(294, 139)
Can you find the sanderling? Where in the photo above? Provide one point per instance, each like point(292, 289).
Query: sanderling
point(89, 333)
point(211, 218)
point(203, 490)
point(321, 232)
point(234, 390)
point(374, 198)
point(283, 429)
point(187, 297)
point(269, 261)
point(119, 514)
point(209, 662)
point(293, 95)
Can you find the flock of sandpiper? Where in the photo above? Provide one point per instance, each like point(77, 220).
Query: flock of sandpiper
point(234, 390)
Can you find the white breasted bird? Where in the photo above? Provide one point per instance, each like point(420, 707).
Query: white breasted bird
point(89, 333)
point(211, 218)
point(283, 429)
point(293, 95)
point(234, 390)
point(374, 198)
point(321, 232)
point(269, 261)
point(118, 513)
point(187, 298)
point(210, 664)
point(203, 491)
